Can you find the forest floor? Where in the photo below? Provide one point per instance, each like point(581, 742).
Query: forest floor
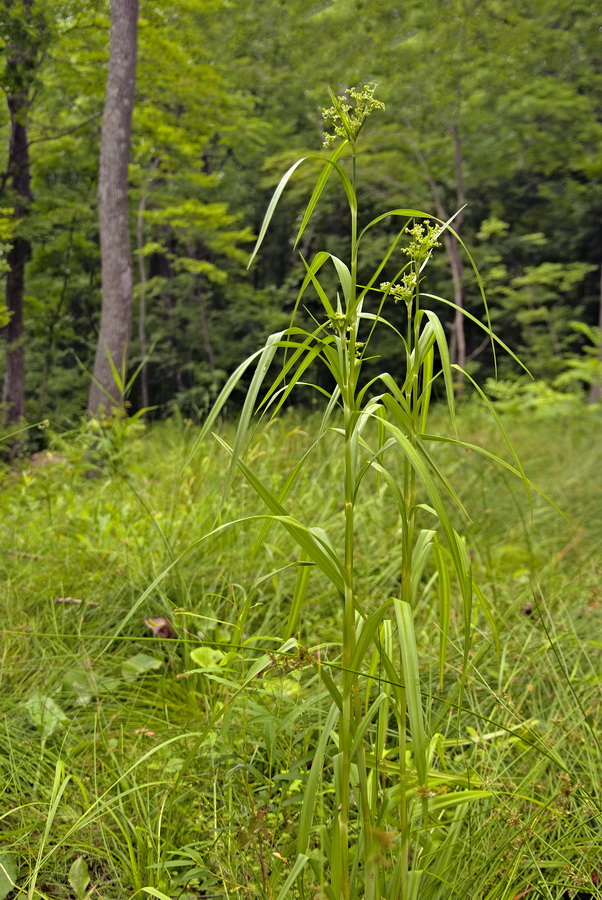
point(133, 762)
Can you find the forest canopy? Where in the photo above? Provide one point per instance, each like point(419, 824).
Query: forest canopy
point(492, 114)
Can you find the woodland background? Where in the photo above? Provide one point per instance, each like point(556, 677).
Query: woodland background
point(490, 104)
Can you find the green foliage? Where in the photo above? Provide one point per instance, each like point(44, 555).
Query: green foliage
point(495, 111)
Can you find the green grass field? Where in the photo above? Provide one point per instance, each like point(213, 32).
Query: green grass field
point(176, 767)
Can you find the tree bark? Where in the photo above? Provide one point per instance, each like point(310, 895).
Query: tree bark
point(453, 252)
point(13, 389)
point(458, 339)
point(595, 391)
point(110, 365)
point(143, 282)
point(142, 300)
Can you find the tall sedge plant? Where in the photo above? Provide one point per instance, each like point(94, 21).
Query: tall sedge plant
point(396, 815)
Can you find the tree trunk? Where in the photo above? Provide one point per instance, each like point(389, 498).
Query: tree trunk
point(13, 391)
point(110, 364)
point(595, 391)
point(143, 281)
point(455, 263)
point(458, 331)
point(453, 253)
point(142, 301)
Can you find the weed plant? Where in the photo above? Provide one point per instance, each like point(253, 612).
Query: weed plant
point(395, 790)
point(368, 693)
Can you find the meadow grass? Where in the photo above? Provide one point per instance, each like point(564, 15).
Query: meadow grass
point(361, 675)
point(159, 772)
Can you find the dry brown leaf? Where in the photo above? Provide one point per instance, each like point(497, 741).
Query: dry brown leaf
point(75, 601)
point(160, 627)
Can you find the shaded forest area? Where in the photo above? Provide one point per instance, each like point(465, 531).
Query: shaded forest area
point(493, 112)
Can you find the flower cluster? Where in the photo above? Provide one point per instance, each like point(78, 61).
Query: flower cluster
point(404, 291)
point(424, 239)
point(337, 321)
point(347, 120)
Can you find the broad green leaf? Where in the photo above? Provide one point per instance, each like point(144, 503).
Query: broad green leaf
point(138, 665)
point(45, 714)
point(153, 892)
point(79, 680)
point(206, 657)
point(79, 877)
point(8, 873)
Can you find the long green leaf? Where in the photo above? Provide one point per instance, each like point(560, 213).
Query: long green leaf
point(418, 462)
point(263, 364)
point(421, 459)
point(444, 591)
point(315, 548)
point(445, 363)
point(299, 595)
point(319, 186)
point(311, 270)
point(406, 213)
point(300, 864)
point(344, 277)
point(153, 892)
point(365, 723)
point(409, 661)
point(273, 204)
point(420, 557)
point(368, 629)
point(486, 328)
point(311, 787)
point(498, 460)
point(347, 187)
point(219, 404)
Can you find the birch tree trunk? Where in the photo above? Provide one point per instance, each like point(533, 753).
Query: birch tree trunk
point(110, 365)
